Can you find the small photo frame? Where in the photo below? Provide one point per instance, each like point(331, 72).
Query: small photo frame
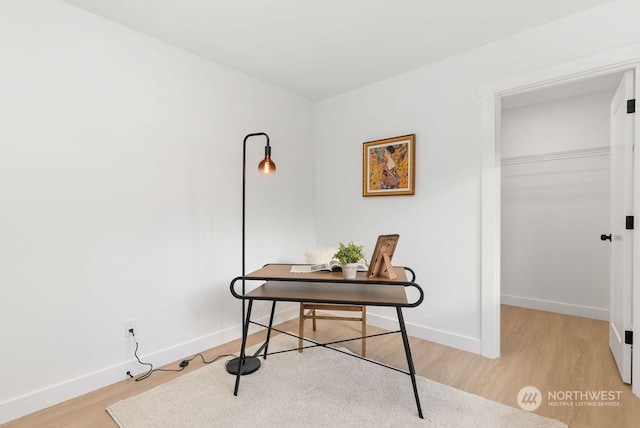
point(388, 166)
point(380, 265)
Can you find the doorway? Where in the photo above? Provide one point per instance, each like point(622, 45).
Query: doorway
point(555, 197)
point(492, 96)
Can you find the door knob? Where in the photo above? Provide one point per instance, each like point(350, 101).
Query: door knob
point(605, 237)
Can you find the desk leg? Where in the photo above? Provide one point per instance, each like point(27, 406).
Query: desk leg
point(273, 310)
point(241, 360)
point(407, 351)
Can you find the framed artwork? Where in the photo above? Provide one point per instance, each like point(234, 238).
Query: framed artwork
point(388, 166)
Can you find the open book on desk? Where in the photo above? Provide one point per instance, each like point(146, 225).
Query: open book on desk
point(333, 265)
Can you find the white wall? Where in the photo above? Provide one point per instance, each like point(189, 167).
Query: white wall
point(554, 211)
point(439, 227)
point(120, 190)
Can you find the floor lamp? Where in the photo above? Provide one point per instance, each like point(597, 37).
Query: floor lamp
point(265, 167)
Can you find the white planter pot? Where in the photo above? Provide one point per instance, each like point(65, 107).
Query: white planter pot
point(349, 270)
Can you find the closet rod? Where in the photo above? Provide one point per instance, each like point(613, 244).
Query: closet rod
point(568, 154)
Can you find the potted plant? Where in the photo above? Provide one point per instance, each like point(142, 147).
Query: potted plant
point(349, 255)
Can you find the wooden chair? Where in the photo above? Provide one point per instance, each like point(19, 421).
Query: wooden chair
point(310, 313)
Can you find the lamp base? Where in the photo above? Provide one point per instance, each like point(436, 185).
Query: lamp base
point(251, 364)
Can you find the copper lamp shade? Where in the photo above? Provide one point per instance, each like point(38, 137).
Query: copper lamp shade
point(267, 166)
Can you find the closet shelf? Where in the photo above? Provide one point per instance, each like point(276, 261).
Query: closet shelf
point(568, 154)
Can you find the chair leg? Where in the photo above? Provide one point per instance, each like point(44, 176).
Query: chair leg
point(313, 314)
point(364, 331)
point(301, 328)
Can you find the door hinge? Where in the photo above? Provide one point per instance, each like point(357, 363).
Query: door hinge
point(628, 337)
point(631, 106)
point(629, 222)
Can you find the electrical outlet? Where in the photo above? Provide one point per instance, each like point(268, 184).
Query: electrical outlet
point(128, 325)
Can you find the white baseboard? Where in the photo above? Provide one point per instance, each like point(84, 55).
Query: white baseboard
point(558, 307)
point(17, 407)
point(453, 340)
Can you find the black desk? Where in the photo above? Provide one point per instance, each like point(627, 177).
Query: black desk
point(280, 285)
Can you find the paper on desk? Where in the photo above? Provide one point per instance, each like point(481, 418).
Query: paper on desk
point(301, 268)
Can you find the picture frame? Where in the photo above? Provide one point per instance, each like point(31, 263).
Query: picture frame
point(388, 166)
point(380, 265)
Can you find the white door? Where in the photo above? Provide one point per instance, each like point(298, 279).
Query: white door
point(620, 297)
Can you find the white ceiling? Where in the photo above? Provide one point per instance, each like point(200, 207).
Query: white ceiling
point(321, 48)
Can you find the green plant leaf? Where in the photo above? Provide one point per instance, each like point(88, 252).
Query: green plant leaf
point(349, 253)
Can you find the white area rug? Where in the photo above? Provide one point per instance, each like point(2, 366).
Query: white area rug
point(318, 388)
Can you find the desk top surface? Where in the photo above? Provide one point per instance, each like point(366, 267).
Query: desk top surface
point(282, 284)
point(283, 271)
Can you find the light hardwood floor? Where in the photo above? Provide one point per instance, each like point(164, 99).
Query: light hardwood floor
point(550, 351)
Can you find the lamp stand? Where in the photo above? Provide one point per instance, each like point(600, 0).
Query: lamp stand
point(251, 364)
point(266, 167)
